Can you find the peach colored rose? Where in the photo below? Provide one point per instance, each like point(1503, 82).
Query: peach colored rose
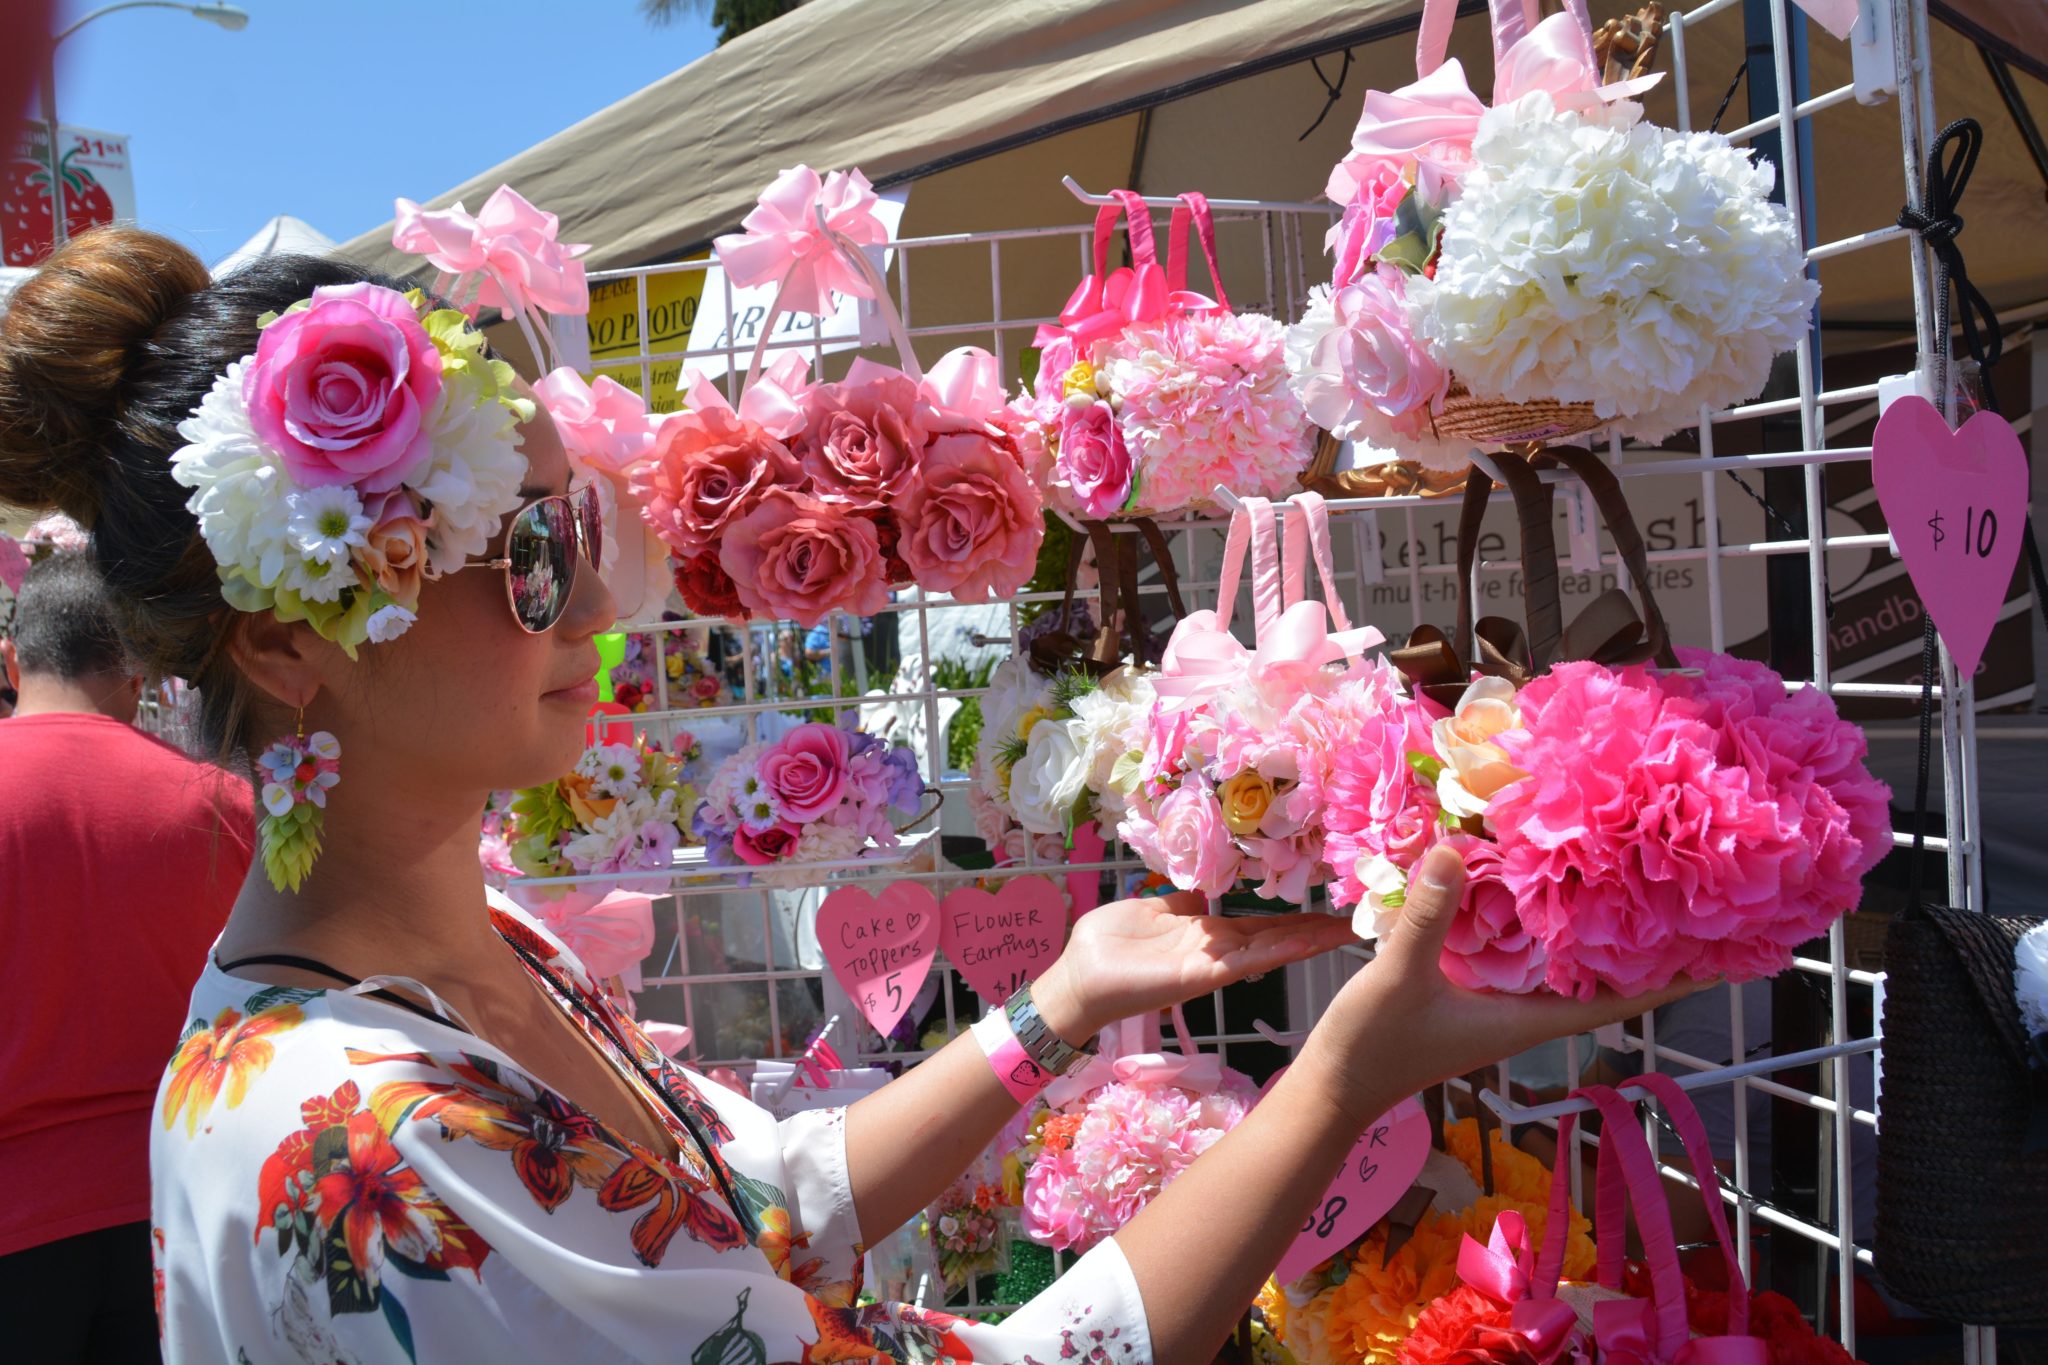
point(1475, 767)
point(709, 468)
point(395, 549)
point(972, 522)
point(796, 558)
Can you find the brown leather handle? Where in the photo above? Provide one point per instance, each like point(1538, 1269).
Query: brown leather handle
point(1621, 524)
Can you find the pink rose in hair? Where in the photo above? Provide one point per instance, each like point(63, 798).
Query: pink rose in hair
point(861, 442)
point(798, 558)
point(1487, 948)
point(709, 467)
point(1093, 460)
point(806, 771)
point(972, 522)
point(759, 847)
point(341, 388)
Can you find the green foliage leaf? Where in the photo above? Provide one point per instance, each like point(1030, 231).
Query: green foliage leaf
point(1418, 229)
point(1427, 767)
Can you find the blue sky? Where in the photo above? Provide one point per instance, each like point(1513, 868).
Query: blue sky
point(329, 109)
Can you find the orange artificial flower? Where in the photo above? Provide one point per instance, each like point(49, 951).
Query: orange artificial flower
point(577, 790)
point(232, 1053)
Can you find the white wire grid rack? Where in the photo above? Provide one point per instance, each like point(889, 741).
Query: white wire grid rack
point(735, 954)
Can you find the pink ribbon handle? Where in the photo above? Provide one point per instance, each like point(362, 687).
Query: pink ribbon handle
point(1512, 21)
point(1627, 1178)
point(1193, 207)
point(1693, 1133)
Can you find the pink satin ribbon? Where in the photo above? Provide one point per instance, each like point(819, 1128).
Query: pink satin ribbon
point(609, 934)
point(1432, 121)
point(1541, 1331)
point(1107, 302)
point(774, 401)
point(1294, 639)
point(789, 233)
point(508, 242)
point(967, 382)
point(1129, 1052)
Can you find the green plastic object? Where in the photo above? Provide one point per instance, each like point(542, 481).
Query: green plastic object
point(611, 652)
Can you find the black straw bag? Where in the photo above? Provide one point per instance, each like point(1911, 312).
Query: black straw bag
point(1962, 1184)
point(1961, 1201)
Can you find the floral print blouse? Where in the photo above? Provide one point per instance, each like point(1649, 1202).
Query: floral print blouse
point(338, 1179)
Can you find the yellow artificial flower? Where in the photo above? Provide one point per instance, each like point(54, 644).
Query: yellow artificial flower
point(1079, 379)
point(1245, 799)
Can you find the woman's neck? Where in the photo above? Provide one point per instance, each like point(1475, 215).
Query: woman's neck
point(394, 891)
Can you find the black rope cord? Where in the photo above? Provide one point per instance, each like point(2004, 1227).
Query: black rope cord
point(1333, 89)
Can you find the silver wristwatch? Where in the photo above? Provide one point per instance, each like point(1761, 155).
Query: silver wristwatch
point(1053, 1054)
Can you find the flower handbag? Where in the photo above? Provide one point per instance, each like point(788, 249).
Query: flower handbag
point(1567, 725)
point(1149, 395)
point(1547, 266)
point(1229, 786)
point(809, 498)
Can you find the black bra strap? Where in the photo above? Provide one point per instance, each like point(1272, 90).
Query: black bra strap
point(307, 964)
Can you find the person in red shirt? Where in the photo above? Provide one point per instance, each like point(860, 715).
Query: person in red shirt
point(119, 860)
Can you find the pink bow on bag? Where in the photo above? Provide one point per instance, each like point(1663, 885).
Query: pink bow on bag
point(1295, 642)
point(785, 243)
point(602, 422)
point(1107, 302)
point(773, 401)
point(966, 385)
point(1129, 1052)
point(608, 933)
point(508, 242)
point(1540, 1331)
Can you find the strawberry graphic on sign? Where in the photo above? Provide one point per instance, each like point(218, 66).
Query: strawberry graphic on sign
point(25, 207)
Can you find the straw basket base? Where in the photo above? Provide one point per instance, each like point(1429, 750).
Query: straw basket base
point(1493, 421)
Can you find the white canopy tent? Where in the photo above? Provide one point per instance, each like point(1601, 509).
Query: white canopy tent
point(282, 234)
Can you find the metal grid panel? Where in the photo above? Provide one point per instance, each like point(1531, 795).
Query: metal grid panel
point(699, 960)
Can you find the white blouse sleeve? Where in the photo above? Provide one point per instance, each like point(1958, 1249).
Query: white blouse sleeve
point(338, 1181)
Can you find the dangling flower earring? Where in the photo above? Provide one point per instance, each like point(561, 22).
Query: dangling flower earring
point(297, 773)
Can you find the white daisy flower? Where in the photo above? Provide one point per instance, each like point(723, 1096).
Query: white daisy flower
point(327, 523)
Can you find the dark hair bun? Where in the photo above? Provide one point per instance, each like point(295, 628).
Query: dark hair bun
point(70, 338)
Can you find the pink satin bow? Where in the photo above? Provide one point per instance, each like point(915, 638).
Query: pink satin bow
point(608, 934)
point(1202, 660)
point(967, 383)
point(1540, 1331)
point(773, 402)
point(1129, 1052)
point(784, 243)
point(1624, 1334)
point(602, 422)
point(1432, 121)
point(509, 242)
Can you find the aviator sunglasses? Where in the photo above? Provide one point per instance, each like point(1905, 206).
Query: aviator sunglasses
point(542, 547)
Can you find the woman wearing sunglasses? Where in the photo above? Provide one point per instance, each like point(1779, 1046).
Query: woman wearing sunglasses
point(403, 1124)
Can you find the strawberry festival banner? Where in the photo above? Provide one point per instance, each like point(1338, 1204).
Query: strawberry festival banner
point(98, 187)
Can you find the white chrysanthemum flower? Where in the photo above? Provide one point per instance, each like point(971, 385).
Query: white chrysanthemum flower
point(315, 580)
point(472, 480)
point(388, 623)
point(239, 486)
point(1014, 688)
point(613, 768)
point(1594, 258)
point(824, 843)
point(327, 524)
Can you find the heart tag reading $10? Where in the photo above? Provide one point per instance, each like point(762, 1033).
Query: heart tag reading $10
point(1955, 502)
point(880, 947)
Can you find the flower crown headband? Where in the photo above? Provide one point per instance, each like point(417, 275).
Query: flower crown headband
point(368, 444)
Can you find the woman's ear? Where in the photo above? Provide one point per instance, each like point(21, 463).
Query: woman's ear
point(287, 661)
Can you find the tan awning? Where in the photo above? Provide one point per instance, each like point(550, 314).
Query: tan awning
point(988, 104)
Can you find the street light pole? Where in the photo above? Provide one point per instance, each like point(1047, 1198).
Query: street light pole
point(226, 16)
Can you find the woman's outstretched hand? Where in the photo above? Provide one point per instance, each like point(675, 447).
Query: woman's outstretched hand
point(1132, 956)
point(1401, 1021)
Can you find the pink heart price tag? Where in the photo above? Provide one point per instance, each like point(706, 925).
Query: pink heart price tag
point(1955, 502)
point(1000, 941)
point(880, 947)
point(1381, 1166)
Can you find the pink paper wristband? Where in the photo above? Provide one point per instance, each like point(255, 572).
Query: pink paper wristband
point(1021, 1076)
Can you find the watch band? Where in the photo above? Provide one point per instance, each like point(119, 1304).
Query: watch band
point(1050, 1051)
